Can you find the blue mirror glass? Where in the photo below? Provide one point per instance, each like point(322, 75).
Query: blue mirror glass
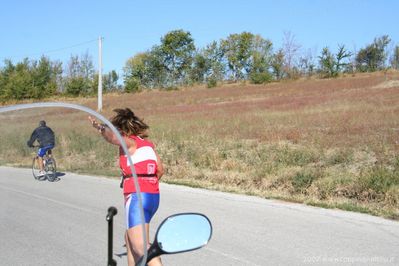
point(184, 232)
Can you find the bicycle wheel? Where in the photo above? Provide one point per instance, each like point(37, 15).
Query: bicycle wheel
point(36, 169)
point(51, 169)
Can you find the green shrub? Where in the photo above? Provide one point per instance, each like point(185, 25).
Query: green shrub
point(379, 179)
point(211, 83)
point(132, 85)
point(392, 196)
point(171, 88)
point(303, 180)
point(339, 157)
point(78, 86)
point(297, 156)
point(330, 186)
point(260, 78)
point(396, 164)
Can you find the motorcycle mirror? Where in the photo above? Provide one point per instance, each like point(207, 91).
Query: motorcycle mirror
point(180, 233)
point(184, 232)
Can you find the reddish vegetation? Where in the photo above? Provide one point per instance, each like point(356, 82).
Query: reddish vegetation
point(284, 96)
point(348, 111)
point(351, 110)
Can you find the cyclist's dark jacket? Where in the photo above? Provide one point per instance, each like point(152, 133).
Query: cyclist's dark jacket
point(44, 135)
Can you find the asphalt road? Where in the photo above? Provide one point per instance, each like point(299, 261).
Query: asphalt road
point(63, 223)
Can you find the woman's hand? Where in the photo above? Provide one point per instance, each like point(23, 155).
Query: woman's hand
point(96, 125)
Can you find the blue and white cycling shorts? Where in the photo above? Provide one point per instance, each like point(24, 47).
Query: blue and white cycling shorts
point(150, 205)
point(42, 151)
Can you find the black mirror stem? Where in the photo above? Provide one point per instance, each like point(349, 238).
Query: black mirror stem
point(110, 218)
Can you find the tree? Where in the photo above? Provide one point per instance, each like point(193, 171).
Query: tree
point(177, 49)
point(18, 81)
point(110, 80)
point(340, 56)
point(200, 69)
point(237, 49)
point(277, 65)
point(327, 63)
point(5, 76)
point(45, 76)
point(134, 72)
point(395, 58)
point(166, 65)
point(208, 64)
point(306, 64)
point(214, 55)
point(80, 75)
point(373, 57)
point(261, 59)
point(261, 55)
point(330, 64)
point(145, 70)
point(29, 79)
point(246, 54)
point(290, 50)
point(156, 72)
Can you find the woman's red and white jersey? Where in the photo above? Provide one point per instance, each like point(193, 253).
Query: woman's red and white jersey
point(145, 164)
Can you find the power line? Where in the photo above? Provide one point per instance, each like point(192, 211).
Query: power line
point(53, 51)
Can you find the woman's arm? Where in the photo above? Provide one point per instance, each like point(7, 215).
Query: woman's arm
point(109, 136)
point(160, 170)
point(107, 133)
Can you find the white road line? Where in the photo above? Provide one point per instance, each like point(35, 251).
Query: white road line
point(49, 199)
point(231, 257)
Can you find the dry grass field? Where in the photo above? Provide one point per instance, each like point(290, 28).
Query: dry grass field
point(331, 143)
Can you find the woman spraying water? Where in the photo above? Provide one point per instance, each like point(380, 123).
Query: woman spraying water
point(149, 170)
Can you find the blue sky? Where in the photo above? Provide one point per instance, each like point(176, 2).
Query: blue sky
point(59, 29)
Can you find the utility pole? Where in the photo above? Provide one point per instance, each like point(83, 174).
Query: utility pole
point(100, 79)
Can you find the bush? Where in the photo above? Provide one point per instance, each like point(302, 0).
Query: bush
point(392, 196)
point(294, 156)
point(211, 83)
point(171, 88)
point(302, 180)
point(132, 85)
point(379, 179)
point(77, 86)
point(260, 78)
point(341, 156)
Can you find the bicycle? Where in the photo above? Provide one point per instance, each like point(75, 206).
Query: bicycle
point(50, 167)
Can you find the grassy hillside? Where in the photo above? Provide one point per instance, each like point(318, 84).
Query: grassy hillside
point(331, 143)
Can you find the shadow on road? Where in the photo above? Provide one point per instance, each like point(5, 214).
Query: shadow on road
point(57, 178)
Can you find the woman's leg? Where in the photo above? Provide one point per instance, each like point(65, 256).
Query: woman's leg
point(130, 259)
point(134, 244)
point(134, 235)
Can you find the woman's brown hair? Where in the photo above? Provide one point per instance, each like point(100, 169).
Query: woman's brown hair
point(129, 124)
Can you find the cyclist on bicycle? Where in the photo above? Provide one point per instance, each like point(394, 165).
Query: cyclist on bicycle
point(45, 136)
